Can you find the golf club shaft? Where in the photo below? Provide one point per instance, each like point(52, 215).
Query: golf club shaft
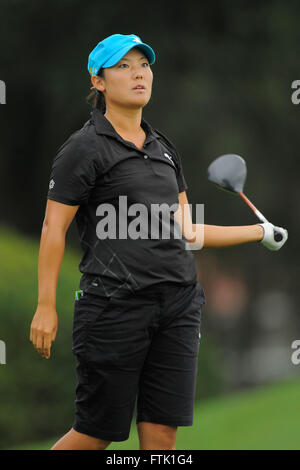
point(277, 235)
point(255, 210)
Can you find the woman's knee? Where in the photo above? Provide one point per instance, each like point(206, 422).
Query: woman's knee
point(93, 443)
point(156, 436)
point(77, 440)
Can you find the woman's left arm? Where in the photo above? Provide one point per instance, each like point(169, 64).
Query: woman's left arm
point(212, 236)
point(218, 236)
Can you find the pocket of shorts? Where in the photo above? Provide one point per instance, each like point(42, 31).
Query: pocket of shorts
point(87, 310)
point(98, 306)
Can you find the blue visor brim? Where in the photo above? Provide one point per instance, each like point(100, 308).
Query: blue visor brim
point(148, 51)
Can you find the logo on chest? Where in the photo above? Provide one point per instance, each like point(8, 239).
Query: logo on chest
point(169, 157)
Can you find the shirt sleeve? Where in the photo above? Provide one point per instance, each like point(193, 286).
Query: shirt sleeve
point(73, 172)
point(182, 184)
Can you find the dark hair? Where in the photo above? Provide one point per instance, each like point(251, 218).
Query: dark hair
point(96, 98)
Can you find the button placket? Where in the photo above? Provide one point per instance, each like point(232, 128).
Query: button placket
point(145, 156)
point(148, 163)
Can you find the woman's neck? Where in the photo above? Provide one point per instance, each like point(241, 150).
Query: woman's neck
point(126, 121)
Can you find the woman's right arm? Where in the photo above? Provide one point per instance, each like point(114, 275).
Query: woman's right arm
point(58, 218)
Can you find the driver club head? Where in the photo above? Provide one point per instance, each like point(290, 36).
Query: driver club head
point(228, 172)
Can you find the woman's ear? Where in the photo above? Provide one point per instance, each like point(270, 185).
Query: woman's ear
point(98, 82)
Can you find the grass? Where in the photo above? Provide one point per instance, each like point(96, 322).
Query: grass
point(265, 418)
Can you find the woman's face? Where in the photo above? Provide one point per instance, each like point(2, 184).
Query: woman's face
point(119, 82)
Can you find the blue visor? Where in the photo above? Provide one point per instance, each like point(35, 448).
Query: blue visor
point(109, 51)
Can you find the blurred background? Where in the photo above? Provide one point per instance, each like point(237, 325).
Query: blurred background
point(222, 84)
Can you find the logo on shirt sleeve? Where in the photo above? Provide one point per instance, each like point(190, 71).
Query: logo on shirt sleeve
point(51, 184)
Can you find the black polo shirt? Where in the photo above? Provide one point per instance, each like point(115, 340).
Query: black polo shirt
point(96, 166)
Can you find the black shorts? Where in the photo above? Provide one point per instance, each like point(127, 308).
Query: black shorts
point(143, 346)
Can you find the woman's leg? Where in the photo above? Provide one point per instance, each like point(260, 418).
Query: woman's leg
point(154, 436)
point(74, 440)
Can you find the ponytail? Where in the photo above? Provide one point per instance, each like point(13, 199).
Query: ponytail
point(96, 98)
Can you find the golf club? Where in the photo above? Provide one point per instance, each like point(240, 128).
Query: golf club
point(229, 173)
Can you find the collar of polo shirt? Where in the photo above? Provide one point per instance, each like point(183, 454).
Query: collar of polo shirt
point(103, 126)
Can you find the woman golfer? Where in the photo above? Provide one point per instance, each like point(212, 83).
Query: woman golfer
point(137, 315)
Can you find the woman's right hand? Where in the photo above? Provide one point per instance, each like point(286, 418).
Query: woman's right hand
point(43, 329)
point(269, 240)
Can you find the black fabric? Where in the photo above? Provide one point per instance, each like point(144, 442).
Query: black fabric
point(95, 166)
point(144, 346)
